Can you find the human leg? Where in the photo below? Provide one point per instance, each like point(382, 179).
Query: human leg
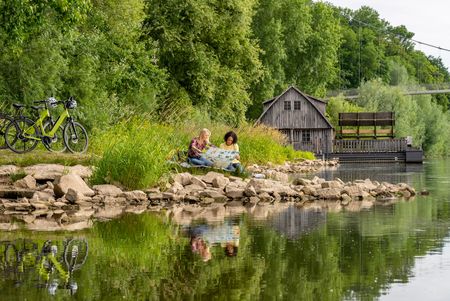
point(200, 161)
point(238, 167)
point(231, 167)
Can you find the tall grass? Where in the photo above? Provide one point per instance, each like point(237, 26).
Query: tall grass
point(134, 153)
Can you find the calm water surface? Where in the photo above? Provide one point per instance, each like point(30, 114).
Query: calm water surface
point(394, 252)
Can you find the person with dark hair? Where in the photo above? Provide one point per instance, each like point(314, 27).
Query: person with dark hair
point(231, 249)
point(230, 144)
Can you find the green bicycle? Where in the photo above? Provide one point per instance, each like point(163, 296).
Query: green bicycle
point(23, 134)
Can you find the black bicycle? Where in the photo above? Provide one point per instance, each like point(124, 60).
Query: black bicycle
point(6, 119)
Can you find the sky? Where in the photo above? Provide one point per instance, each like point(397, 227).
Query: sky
point(428, 20)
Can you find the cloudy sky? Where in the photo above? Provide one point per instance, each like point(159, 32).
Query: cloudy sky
point(428, 20)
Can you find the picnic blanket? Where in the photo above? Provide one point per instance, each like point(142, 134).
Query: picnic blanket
point(220, 157)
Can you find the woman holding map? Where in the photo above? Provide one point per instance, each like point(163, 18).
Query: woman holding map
point(230, 144)
point(197, 146)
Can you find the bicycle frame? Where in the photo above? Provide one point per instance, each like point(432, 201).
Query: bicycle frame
point(28, 133)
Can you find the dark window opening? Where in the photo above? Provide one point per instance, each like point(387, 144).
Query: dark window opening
point(287, 105)
point(306, 136)
point(297, 105)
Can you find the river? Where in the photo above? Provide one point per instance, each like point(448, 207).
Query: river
point(399, 251)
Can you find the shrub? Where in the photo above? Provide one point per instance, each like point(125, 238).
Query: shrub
point(134, 154)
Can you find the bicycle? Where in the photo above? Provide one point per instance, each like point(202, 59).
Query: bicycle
point(6, 119)
point(74, 255)
point(23, 134)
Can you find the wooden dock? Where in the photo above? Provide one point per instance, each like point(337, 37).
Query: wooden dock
point(369, 137)
point(383, 150)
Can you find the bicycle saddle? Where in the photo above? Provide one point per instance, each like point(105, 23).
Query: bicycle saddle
point(18, 105)
point(37, 107)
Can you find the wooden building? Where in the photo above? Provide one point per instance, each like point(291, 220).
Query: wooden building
point(301, 118)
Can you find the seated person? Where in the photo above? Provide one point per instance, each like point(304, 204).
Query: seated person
point(197, 146)
point(200, 247)
point(231, 145)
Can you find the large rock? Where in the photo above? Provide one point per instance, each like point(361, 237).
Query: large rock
point(210, 176)
point(277, 176)
point(51, 172)
point(63, 183)
point(234, 193)
point(250, 191)
point(45, 196)
point(216, 195)
point(331, 184)
point(83, 171)
point(175, 188)
point(193, 188)
point(7, 170)
point(220, 182)
point(45, 171)
point(73, 196)
point(365, 185)
point(197, 181)
point(135, 195)
point(182, 178)
point(301, 181)
point(354, 191)
point(27, 182)
point(108, 190)
point(329, 193)
point(15, 193)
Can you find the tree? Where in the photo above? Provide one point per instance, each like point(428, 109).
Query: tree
point(206, 48)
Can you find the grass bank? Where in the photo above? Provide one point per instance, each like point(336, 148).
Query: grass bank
point(40, 156)
point(134, 153)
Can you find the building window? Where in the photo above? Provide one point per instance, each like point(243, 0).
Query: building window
point(287, 105)
point(297, 105)
point(306, 136)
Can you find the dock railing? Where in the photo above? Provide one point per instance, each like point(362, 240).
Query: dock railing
point(369, 146)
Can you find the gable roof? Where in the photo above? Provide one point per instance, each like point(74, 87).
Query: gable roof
point(269, 100)
point(307, 97)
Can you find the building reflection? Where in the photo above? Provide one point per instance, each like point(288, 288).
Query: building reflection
point(389, 172)
point(292, 222)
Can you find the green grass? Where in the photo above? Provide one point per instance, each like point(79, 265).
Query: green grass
point(18, 175)
point(43, 156)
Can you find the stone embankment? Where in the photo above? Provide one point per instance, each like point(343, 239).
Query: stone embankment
point(281, 172)
point(53, 197)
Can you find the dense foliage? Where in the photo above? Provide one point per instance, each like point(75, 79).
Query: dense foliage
point(180, 60)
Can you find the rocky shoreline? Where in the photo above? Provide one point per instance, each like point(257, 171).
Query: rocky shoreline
point(52, 197)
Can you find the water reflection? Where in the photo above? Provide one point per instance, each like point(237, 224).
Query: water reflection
point(44, 264)
point(255, 253)
point(204, 236)
point(388, 172)
point(293, 221)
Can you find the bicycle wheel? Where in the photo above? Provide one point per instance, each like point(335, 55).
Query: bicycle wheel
point(4, 121)
point(15, 136)
point(75, 137)
point(75, 253)
point(56, 143)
